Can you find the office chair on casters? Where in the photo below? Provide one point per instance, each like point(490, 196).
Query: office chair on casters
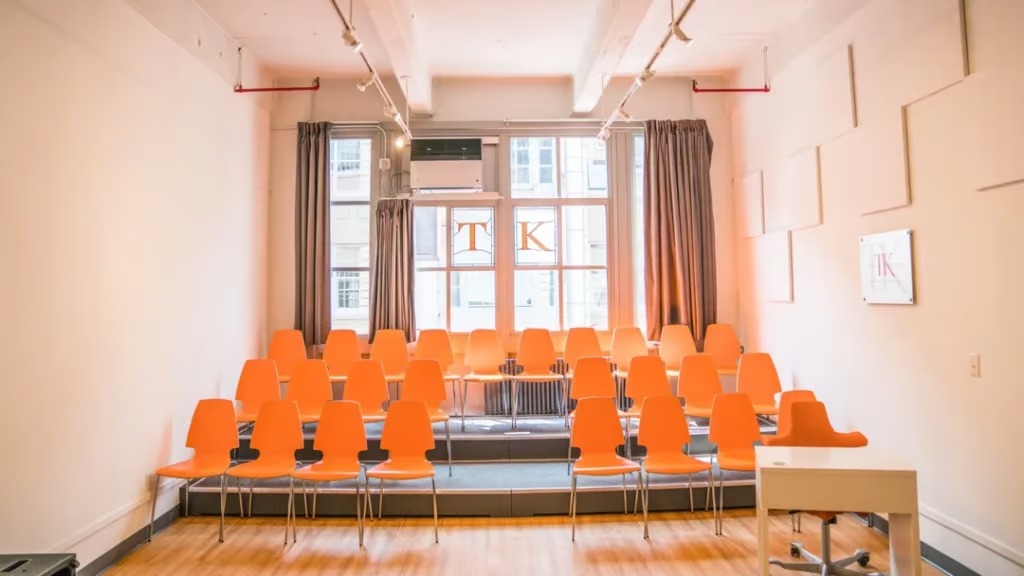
point(809, 426)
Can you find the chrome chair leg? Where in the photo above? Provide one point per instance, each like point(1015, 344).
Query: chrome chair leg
point(689, 483)
point(251, 482)
point(625, 500)
point(223, 501)
point(465, 392)
point(315, 490)
point(187, 486)
point(515, 402)
point(448, 440)
point(359, 514)
point(645, 488)
point(433, 490)
point(380, 502)
point(572, 506)
point(241, 507)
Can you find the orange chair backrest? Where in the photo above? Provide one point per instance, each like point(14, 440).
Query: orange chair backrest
point(310, 386)
point(811, 427)
point(646, 378)
point(277, 433)
point(213, 432)
point(580, 343)
point(675, 344)
point(733, 422)
point(592, 377)
point(424, 381)
point(286, 348)
point(758, 378)
point(366, 385)
point(596, 428)
point(663, 427)
point(407, 432)
point(391, 349)
point(698, 380)
point(485, 353)
point(340, 351)
point(721, 343)
point(627, 343)
point(784, 424)
point(258, 382)
point(340, 434)
point(536, 351)
point(434, 344)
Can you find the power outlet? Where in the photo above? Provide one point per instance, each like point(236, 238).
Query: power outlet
point(974, 359)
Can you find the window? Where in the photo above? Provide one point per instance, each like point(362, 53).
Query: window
point(639, 281)
point(350, 188)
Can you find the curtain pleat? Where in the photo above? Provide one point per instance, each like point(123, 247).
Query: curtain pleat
point(391, 292)
point(312, 233)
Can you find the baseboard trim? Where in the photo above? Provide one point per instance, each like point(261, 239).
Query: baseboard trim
point(929, 554)
point(128, 545)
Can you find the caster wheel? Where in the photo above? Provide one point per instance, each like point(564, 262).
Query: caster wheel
point(794, 551)
point(863, 560)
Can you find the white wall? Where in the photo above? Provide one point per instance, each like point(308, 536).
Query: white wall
point(487, 100)
point(900, 373)
point(133, 207)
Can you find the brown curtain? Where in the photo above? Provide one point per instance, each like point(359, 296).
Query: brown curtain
point(679, 226)
point(312, 233)
point(391, 291)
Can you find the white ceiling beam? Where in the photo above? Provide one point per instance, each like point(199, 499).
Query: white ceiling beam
point(614, 29)
point(393, 21)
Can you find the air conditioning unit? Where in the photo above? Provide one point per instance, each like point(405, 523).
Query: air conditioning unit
point(446, 164)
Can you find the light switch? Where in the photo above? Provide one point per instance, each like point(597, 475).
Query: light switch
point(974, 359)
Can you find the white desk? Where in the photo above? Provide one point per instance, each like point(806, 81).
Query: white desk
point(843, 480)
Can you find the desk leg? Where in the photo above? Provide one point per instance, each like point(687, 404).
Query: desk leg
point(762, 541)
point(904, 545)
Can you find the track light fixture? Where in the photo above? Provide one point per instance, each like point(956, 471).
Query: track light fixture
point(623, 115)
point(349, 35)
point(677, 31)
point(366, 82)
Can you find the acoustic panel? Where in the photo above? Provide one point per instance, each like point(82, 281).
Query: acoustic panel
point(884, 175)
point(996, 130)
point(834, 103)
point(750, 205)
point(792, 192)
point(773, 266)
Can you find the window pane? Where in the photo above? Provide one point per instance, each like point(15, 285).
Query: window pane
point(430, 299)
point(585, 236)
point(472, 237)
point(474, 306)
point(536, 297)
point(350, 168)
point(536, 236)
point(350, 235)
point(430, 225)
point(639, 281)
point(350, 302)
point(586, 298)
point(584, 172)
point(533, 167)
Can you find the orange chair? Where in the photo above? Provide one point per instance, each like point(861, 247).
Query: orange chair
point(212, 436)
point(485, 355)
point(646, 379)
point(392, 351)
point(340, 351)
point(664, 432)
point(810, 427)
point(367, 387)
point(595, 431)
point(699, 384)
point(424, 381)
point(536, 356)
point(407, 437)
point(581, 342)
point(784, 424)
point(287, 348)
point(734, 429)
point(310, 388)
point(276, 435)
point(258, 383)
point(757, 378)
point(627, 343)
point(676, 343)
point(721, 343)
point(435, 344)
point(340, 436)
point(593, 378)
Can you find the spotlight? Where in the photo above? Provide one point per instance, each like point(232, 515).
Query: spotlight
point(390, 111)
point(349, 35)
point(644, 76)
point(624, 115)
point(399, 142)
point(603, 134)
point(678, 32)
point(366, 82)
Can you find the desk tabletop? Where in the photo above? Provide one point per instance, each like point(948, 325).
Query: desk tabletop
point(801, 458)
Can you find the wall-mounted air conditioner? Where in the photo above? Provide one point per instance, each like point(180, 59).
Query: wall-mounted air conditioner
point(446, 164)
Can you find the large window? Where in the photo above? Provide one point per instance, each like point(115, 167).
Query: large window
point(351, 160)
point(637, 210)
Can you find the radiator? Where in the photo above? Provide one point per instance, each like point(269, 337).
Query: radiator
point(536, 398)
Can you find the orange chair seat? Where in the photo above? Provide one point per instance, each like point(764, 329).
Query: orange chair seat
point(619, 413)
point(323, 472)
point(437, 415)
point(340, 378)
point(377, 415)
point(471, 377)
point(672, 373)
point(195, 469)
point(542, 377)
point(449, 377)
point(620, 374)
point(741, 460)
point(697, 411)
point(604, 465)
point(394, 377)
point(674, 463)
point(263, 468)
point(402, 469)
point(246, 413)
point(766, 409)
point(727, 371)
point(284, 378)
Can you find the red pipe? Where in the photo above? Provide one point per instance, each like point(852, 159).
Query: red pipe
point(697, 90)
point(315, 86)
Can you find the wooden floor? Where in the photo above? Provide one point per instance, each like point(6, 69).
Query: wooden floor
point(680, 544)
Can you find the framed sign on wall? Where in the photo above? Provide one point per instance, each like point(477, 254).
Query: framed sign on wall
point(887, 268)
